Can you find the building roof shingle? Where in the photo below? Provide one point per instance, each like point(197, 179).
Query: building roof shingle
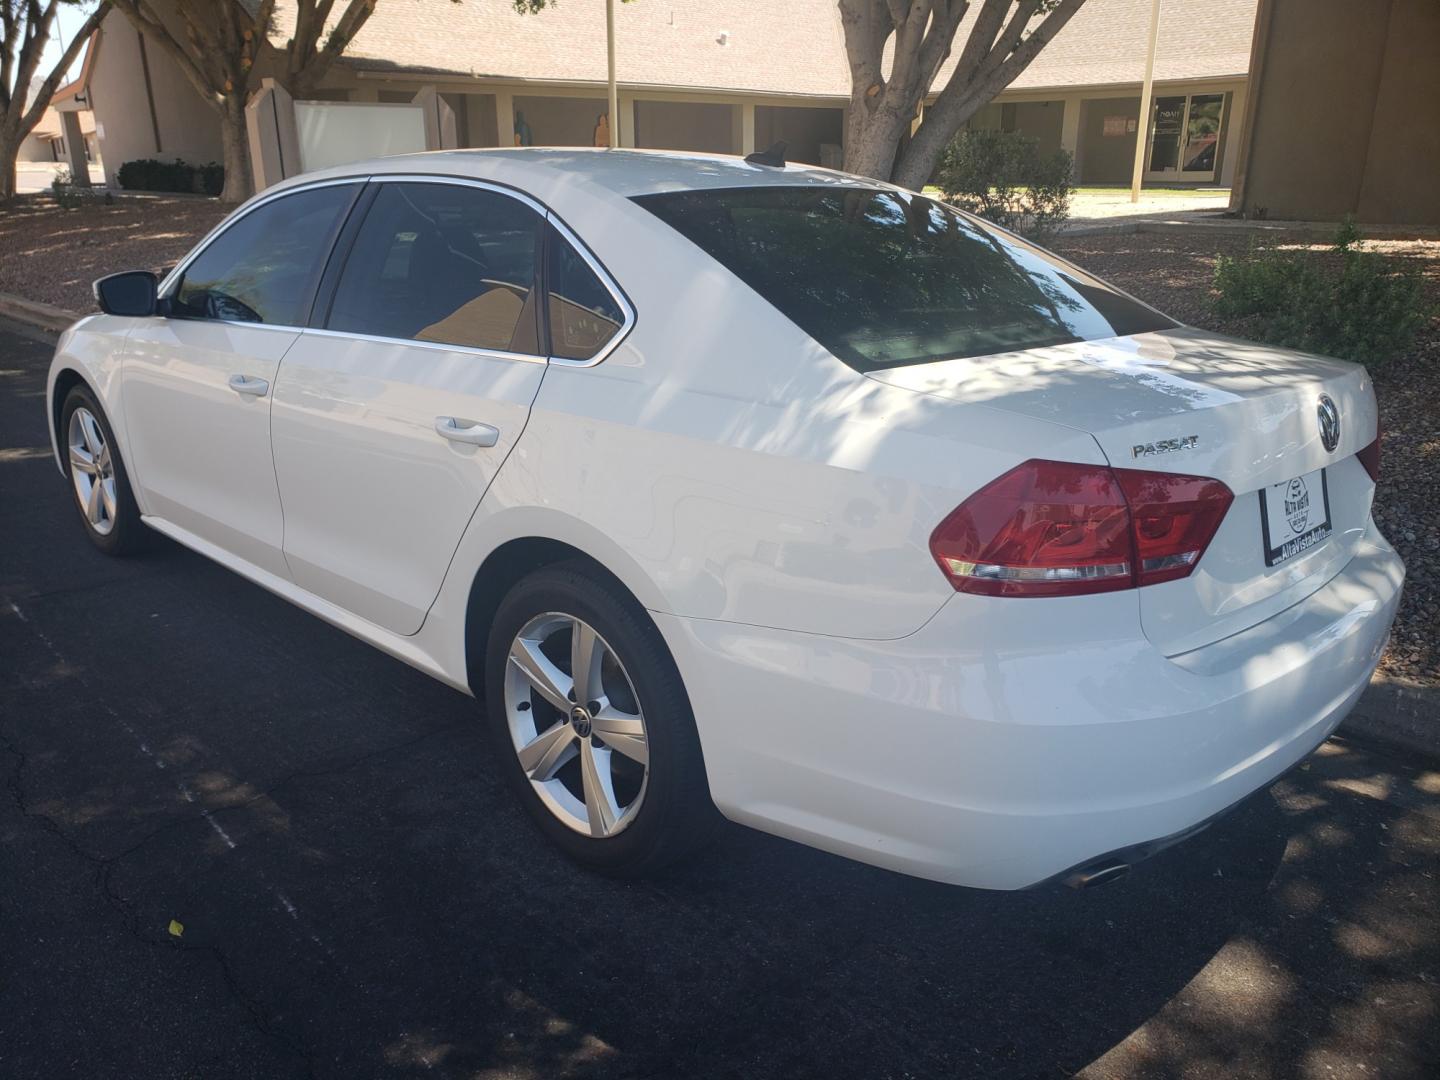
point(760, 46)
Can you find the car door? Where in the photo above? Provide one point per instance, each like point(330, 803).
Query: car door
point(197, 381)
point(391, 419)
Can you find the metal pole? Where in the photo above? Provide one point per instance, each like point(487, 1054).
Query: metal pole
point(1142, 129)
point(614, 124)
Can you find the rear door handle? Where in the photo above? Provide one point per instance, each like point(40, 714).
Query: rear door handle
point(244, 384)
point(466, 431)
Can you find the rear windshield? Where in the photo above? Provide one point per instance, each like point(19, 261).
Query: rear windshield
point(883, 279)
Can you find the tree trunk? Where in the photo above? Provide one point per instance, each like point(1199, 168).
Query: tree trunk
point(922, 154)
point(9, 151)
point(239, 184)
point(872, 136)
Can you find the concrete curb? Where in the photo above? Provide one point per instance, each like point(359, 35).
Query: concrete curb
point(1159, 223)
point(34, 313)
point(1400, 714)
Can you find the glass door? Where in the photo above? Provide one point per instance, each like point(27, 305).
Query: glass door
point(1185, 137)
point(1202, 136)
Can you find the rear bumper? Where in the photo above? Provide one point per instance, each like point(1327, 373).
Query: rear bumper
point(1003, 744)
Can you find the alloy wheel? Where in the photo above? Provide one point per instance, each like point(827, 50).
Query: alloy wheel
point(92, 470)
point(576, 724)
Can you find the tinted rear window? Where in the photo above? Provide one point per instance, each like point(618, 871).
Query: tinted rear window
point(884, 279)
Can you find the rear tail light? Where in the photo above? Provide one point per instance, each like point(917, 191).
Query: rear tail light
point(1053, 528)
point(1370, 458)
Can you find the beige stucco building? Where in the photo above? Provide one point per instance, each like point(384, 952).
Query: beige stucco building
point(1346, 118)
point(727, 76)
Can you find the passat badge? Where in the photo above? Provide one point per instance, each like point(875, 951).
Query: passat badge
point(1164, 446)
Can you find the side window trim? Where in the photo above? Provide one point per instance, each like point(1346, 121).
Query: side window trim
point(176, 276)
point(340, 255)
point(598, 269)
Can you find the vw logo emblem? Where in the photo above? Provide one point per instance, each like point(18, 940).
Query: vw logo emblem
point(1329, 417)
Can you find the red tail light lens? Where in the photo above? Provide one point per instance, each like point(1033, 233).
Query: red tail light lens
point(1174, 519)
point(1053, 528)
point(1370, 458)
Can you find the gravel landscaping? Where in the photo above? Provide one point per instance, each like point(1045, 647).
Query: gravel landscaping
point(52, 256)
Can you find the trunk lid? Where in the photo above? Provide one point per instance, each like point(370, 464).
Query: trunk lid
point(1187, 401)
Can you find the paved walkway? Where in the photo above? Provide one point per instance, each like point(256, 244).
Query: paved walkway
point(31, 176)
point(1092, 206)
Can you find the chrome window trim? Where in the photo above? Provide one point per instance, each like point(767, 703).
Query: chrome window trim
point(616, 294)
point(494, 354)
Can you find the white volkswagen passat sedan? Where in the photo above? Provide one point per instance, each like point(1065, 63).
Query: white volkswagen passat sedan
point(765, 489)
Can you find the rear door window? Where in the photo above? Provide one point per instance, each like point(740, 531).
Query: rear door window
point(263, 269)
point(884, 279)
point(445, 263)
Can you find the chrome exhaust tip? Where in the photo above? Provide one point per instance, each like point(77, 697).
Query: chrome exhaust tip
point(1098, 873)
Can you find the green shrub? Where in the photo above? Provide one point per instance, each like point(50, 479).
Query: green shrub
point(1365, 308)
point(66, 194)
point(1004, 177)
point(70, 196)
point(147, 174)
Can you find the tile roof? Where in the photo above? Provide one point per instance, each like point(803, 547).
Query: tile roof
point(1105, 42)
point(794, 47)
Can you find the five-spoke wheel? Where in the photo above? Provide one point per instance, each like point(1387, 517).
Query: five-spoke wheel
point(97, 475)
point(576, 724)
point(92, 470)
point(592, 722)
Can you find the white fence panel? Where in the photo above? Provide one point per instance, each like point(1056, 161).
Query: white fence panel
point(339, 132)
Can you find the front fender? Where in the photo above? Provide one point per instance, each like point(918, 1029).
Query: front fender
point(92, 351)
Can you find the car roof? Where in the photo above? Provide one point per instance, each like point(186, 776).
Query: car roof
point(623, 172)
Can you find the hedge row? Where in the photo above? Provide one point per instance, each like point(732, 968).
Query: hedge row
point(147, 174)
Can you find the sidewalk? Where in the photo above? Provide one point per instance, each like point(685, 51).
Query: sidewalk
point(1109, 206)
point(32, 176)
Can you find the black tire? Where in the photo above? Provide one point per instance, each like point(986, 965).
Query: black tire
point(127, 533)
point(675, 817)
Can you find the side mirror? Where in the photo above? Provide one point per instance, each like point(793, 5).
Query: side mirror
point(131, 293)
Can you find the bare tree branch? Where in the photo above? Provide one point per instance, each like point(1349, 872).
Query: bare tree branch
point(47, 88)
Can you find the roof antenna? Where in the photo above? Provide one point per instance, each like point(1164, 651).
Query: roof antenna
point(774, 157)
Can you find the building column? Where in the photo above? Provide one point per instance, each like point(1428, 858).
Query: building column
point(626, 106)
point(75, 149)
point(747, 128)
point(504, 118)
point(1234, 122)
point(1070, 133)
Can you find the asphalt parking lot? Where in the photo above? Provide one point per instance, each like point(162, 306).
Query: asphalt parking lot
point(360, 897)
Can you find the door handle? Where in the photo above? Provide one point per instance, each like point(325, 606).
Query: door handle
point(244, 384)
point(466, 431)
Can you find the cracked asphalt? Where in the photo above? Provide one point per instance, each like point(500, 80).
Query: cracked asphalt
point(359, 897)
